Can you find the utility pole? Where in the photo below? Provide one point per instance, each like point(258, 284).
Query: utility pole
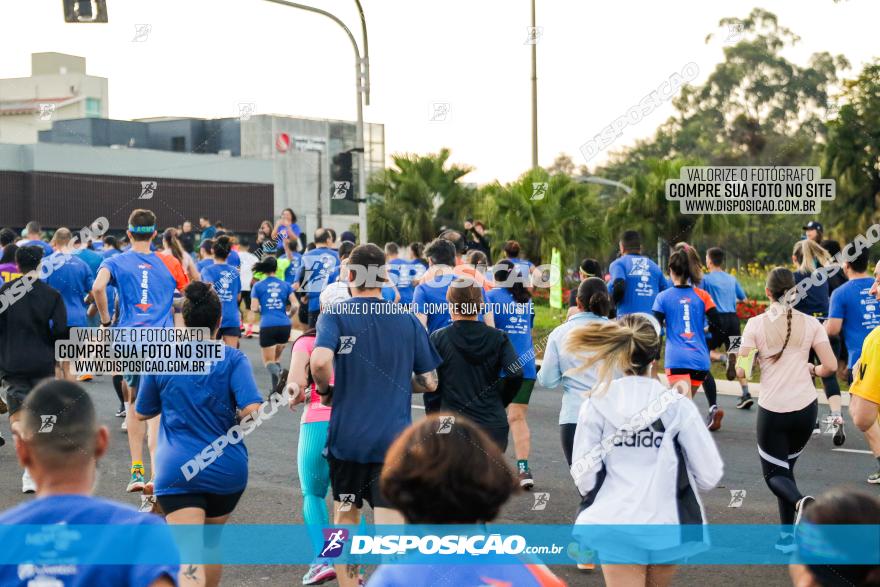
point(534, 34)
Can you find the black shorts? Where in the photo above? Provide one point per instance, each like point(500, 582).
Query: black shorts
point(229, 331)
point(272, 335)
point(17, 389)
point(215, 505)
point(246, 299)
point(358, 482)
point(720, 331)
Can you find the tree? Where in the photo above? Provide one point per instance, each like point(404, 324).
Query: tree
point(416, 196)
point(562, 164)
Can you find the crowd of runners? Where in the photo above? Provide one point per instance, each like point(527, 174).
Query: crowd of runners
point(638, 344)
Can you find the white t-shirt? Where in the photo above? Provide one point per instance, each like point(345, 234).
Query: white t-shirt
point(246, 272)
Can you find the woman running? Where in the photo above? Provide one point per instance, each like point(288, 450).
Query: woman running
point(640, 455)
point(511, 305)
point(196, 410)
point(173, 247)
point(270, 297)
point(809, 257)
point(593, 305)
point(312, 468)
point(783, 339)
point(685, 308)
point(225, 279)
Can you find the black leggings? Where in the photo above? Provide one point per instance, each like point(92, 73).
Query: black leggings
point(830, 384)
point(781, 439)
point(566, 434)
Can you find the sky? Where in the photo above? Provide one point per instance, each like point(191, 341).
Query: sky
point(595, 60)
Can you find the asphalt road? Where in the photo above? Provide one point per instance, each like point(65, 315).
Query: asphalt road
point(273, 496)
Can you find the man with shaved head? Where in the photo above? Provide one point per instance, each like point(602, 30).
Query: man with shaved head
point(58, 439)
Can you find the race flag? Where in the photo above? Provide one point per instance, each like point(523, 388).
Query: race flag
point(556, 280)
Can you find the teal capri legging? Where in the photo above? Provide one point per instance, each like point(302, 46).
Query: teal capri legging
point(314, 478)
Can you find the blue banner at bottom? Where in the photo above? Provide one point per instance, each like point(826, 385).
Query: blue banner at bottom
point(455, 545)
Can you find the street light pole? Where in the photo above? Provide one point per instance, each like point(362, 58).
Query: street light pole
point(320, 183)
point(361, 89)
point(534, 90)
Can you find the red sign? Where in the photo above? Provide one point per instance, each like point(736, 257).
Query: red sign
point(282, 142)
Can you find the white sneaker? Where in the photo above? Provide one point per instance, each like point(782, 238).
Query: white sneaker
point(124, 426)
point(27, 483)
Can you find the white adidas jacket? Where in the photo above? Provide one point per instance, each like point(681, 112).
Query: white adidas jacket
point(651, 476)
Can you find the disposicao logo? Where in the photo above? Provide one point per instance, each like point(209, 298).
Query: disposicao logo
point(334, 542)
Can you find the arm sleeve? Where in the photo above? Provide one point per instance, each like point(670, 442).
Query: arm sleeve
point(550, 374)
point(586, 454)
point(148, 402)
point(702, 456)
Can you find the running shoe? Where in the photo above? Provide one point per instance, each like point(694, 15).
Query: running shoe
point(526, 481)
point(124, 427)
point(586, 567)
point(148, 504)
point(148, 487)
point(249, 333)
point(319, 573)
point(839, 433)
point(27, 483)
point(817, 428)
point(3, 407)
point(713, 419)
point(137, 480)
point(745, 402)
point(2, 440)
point(120, 413)
point(731, 366)
point(84, 377)
point(802, 504)
point(874, 478)
point(785, 544)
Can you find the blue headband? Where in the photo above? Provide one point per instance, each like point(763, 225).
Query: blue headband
point(142, 229)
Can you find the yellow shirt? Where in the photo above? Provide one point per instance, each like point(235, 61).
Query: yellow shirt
point(866, 382)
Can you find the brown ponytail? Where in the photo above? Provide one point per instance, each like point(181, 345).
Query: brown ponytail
point(780, 282)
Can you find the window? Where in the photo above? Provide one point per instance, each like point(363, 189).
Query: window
point(178, 143)
point(93, 108)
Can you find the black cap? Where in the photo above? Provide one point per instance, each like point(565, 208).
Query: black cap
point(813, 225)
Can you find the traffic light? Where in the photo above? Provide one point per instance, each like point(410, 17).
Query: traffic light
point(85, 11)
point(341, 179)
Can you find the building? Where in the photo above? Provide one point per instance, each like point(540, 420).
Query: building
point(58, 89)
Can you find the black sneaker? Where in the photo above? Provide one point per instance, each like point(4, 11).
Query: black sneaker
point(731, 366)
point(526, 481)
point(2, 440)
point(745, 402)
point(839, 433)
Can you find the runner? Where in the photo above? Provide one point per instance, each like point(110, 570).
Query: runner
point(725, 290)
point(34, 236)
point(227, 282)
point(246, 278)
point(320, 267)
point(514, 314)
point(525, 268)
point(635, 279)
point(400, 273)
point(685, 309)
point(196, 410)
point(783, 339)
point(463, 481)
point(112, 247)
point(864, 400)
point(206, 254)
point(145, 285)
point(312, 468)
point(73, 279)
point(63, 463)
point(474, 355)
point(809, 257)
point(653, 474)
point(176, 250)
point(207, 231)
point(593, 305)
point(271, 297)
point(587, 269)
point(29, 328)
point(813, 231)
point(416, 254)
point(381, 359)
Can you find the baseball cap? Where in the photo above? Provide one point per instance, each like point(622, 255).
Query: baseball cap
point(813, 225)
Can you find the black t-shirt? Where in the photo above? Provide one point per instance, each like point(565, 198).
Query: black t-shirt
point(474, 355)
point(32, 318)
point(188, 240)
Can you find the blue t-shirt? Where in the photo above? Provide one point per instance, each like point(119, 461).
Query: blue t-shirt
point(684, 310)
point(429, 299)
point(523, 268)
point(320, 267)
point(273, 294)
point(292, 270)
point(401, 273)
point(47, 248)
point(816, 298)
point(233, 259)
point(724, 289)
point(200, 265)
point(227, 284)
point(82, 510)
point(209, 232)
point(145, 288)
point(285, 231)
point(377, 352)
point(515, 320)
point(196, 410)
point(111, 252)
point(90, 258)
point(73, 279)
point(852, 303)
point(643, 279)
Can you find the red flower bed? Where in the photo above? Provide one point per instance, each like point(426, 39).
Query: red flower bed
point(749, 309)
